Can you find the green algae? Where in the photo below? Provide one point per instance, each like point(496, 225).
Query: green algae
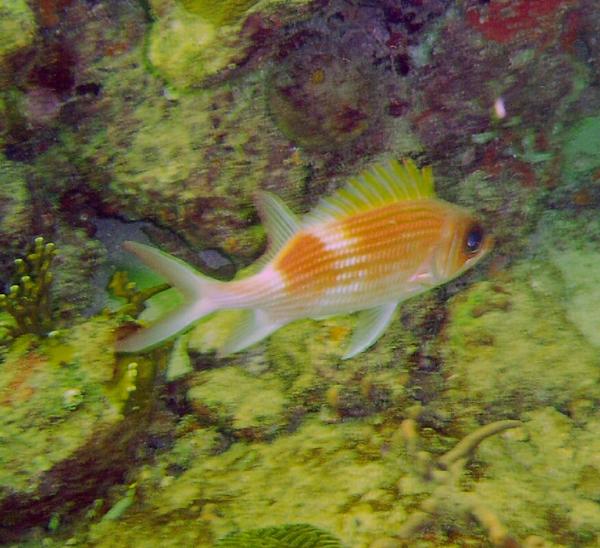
point(257, 403)
point(186, 61)
point(218, 12)
point(17, 27)
point(580, 155)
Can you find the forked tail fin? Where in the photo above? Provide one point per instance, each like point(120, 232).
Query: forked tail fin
point(196, 290)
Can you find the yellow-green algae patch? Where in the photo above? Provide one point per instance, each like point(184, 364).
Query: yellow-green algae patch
point(70, 417)
point(218, 12)
point(330, 477)
point(15, 208)
point(256, 401)
point(191, 41)
point(185, 48)
point(17, 27)
point(511, 348)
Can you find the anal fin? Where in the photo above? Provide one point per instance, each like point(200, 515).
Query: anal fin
point(371, 325)
point(254, 326)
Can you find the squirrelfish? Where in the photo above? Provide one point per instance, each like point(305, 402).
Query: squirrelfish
point(382, 238)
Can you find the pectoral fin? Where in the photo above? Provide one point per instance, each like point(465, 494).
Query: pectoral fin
point(371, 325)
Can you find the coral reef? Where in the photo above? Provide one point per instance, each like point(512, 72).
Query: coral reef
point(473, 421)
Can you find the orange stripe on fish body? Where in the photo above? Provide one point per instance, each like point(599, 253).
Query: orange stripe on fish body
point(362, 260)
point(382, 238)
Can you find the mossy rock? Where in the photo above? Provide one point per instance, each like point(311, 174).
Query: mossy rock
point(17, 27)
point(257, 404)
point(193, 162)
point(71, 416)
point(193, 41)
point(185, 48)
point(511, 348)
point(286, 536)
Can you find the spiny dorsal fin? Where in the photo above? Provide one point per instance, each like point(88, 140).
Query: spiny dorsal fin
point(279, 221)
point(377, 186)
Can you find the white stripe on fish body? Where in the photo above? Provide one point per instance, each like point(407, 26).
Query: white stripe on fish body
point(332, 238)
point(261, 290)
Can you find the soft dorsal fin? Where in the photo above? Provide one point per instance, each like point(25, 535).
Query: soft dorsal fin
point(279, 221)
point(379, 185)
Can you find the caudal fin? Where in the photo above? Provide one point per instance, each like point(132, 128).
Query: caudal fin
point(196, 290)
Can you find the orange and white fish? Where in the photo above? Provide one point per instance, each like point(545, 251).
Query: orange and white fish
point(379, 240)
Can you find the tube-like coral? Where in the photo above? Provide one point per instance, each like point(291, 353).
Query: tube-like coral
point(28, 299)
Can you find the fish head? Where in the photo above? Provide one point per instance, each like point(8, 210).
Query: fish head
point(465, 241)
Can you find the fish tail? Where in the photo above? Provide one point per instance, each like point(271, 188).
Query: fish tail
point(197, 302)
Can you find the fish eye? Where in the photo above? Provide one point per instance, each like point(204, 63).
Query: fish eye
point(473, 239)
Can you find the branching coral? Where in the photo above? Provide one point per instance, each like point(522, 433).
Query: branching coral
point(28, 300)
point(444, 474)
point(135, 298)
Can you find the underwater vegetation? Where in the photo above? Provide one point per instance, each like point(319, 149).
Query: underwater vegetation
point(27, 301)
point(287, 536)
point(123, 288)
